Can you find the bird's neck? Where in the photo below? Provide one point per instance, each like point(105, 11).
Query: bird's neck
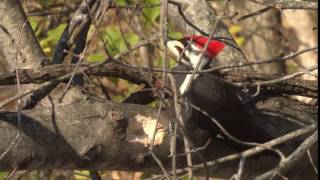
point(189, 77)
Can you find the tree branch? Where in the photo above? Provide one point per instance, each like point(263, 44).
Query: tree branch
point(292, 4)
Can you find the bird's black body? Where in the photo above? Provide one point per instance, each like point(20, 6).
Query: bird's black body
point(220, 100)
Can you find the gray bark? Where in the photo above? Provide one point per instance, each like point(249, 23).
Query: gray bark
point(17, 37)
point(98, 135)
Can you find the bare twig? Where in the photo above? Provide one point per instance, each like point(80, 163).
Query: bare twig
point(240, 170)
point(257, 62)
point(255, 150)
point(312, 162)
point(291, 160)
point(261, 11)
point(284, 78)
point(152, 144)
point(18, 48)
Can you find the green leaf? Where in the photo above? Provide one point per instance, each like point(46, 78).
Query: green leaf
point(115, 41)
point(113, 37)
point(33, 22)
point(151, 14)
point(132, 38)
point(175, 34)
point(53, 36)
point(187, 177)
point(96, 57)
point(124, 2)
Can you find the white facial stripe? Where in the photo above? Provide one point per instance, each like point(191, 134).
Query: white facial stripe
point(193, 53)
point(172, 46)
point(194, 56)
point(183, 87)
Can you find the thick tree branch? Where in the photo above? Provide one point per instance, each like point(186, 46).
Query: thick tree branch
point(12, 45)
point(103, 135)
point(292, 4)
point(245, 78)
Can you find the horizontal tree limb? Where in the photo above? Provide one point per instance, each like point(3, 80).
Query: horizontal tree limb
point(295, 86)
point(98, 135)
point(293, 4)
point(92, 135)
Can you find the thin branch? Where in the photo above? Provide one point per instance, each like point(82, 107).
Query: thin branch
point(18, 48)
point(255, 150)
point(312, 162)
point(260, 11)
point(240, 170)
point(154, 156)
point(257, 62)
point(284, 78)
point(291, 160)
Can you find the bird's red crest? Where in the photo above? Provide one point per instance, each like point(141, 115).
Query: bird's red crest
point(214, 47)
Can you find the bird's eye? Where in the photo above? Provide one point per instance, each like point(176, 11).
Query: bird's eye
point(179, 49)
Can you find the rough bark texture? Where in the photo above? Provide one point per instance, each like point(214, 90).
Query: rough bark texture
point(19, 47)
point(82, 135)
point(245, 78)
point(17, 38)
point(101, 135)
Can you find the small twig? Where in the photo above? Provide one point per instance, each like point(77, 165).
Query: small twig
point(261, 11)
point(18, 48)
point(290, 161)
point(180, 119)
point(258, 90)
point(152, 144)
point(214, 69)
point(230, 136)
point(257, 62)
point(240, 170)
point(312, 162)
point(284, 78)
point(82, 54)
point(202, 54)
point(42, 86)
point(188, 22)
point(181, 124)
point(197, 149)
point(255, 150)
point(14, 142)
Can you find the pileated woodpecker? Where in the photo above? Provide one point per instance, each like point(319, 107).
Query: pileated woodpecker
point(211, 94)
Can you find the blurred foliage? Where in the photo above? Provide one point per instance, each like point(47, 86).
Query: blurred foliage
point(3, 175)
point(187, 178)
point(117, 42)
point(81, 175)
point(51, 37)
point(235, 31)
